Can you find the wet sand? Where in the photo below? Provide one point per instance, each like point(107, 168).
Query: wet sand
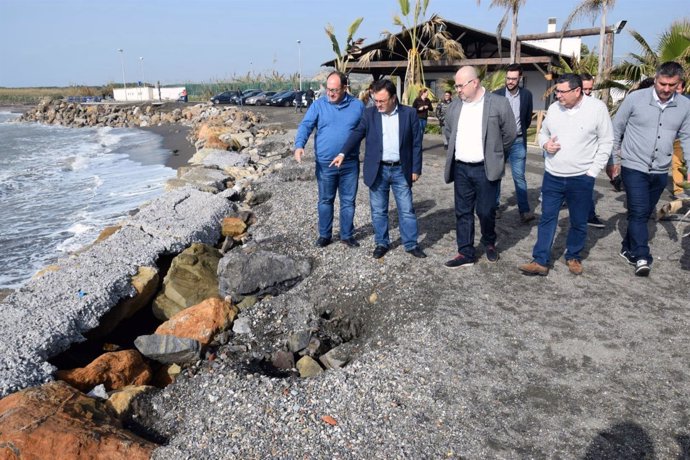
point(175, 140)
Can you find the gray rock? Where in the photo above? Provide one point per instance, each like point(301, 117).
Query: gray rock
point(283, 360)
point(168, 349)
point(298, 341)
point(337, 357)
point(225, 159)
point(204, 179)
point(259, 273)
point(241, 326)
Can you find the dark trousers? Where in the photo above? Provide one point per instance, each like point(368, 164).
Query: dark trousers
point(474, 192)
point(643, 191)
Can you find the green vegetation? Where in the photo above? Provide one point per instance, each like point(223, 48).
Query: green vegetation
point(352, 46)
point(12, 96)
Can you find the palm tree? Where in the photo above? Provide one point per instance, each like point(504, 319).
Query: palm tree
point(352, 47)
point(674, 45)
point(512, 8)
point(593, 8)
point(427, 40)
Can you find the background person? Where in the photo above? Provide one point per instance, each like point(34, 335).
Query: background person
point(441, 110)
point(423, 105)
point(333, 117)
point(520, 100)
point(592, 220)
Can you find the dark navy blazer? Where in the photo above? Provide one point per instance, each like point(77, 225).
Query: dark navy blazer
point(525, 110)
point(370, 127)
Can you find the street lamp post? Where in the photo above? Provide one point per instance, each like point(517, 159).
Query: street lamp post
point(141, 61)
point(299, 61)
point(122, 61)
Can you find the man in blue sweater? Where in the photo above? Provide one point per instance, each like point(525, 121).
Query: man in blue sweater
point(644, 128)
point(333, 117)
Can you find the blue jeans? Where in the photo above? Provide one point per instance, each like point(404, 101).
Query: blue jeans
point(517, 156)
point(474, 190)
point(576, 191)
point(642, 191)
point(391, 177)
point(344, 181)
point(422, 126)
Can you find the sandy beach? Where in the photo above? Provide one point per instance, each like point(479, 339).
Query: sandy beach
point(175, 140)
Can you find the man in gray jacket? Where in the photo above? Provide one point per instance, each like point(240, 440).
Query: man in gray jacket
point(644, 128)
point(480, 128)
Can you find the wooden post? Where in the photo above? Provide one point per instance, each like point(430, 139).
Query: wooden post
point(608, 63)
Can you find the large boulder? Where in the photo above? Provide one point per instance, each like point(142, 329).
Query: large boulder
point(168, 349)
point(114, 370)
point(209, 180)
point(259, 273)
point(191, 279)
point(57, 421)
point(201, 322)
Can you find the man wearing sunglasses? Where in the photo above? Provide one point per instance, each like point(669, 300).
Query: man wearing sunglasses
point(333, 117)
point(577, 137)
point(480, 127)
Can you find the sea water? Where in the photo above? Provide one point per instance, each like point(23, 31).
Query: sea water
point(59, 187)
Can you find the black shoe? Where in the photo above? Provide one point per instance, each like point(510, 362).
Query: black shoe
point(491, 253)
point(380, 251)
point(350, 242)
point(322, 242)
point(595, 222)
point(459, 261)
point(627, 256)
point(642, 268)
point(417, 252)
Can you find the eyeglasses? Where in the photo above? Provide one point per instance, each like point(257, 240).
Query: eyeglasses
point(512, 78)
point(558, 91)
point(460, 87)
point(334, 90)
point(381, 101)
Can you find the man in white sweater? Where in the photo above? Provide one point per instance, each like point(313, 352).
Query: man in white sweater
point(577, 137)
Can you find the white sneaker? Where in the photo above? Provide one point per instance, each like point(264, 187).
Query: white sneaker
point(642, 268)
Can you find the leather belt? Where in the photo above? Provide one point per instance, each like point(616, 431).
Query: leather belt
point(480, 163)
point(390, 163)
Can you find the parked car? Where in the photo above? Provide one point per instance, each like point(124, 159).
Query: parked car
point(225, 97)
point(247, 93)
point(259, 99)
point(284, 99)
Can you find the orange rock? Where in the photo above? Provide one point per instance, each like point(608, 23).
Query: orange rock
point(114, 370)
point(201, 322)
point(330, 420)
point(106, 232)
point(233, 226)
point(57, 421)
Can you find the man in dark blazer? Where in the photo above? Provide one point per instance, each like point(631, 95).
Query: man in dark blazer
point(392, 160)
point(480, 127)
point(520, 100)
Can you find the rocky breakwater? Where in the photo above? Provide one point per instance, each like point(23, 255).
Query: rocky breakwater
point(204, 220)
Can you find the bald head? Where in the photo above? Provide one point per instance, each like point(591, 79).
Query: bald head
point(467, 84)
point(466, 73)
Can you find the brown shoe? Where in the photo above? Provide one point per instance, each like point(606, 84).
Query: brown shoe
point(575, 266)
point(533, 269)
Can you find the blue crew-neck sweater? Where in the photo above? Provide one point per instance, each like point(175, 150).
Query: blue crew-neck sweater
point(333, 123)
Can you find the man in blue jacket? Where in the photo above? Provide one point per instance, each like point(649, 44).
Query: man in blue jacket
point(392, 160)
point(333, 117)
point(521, 103)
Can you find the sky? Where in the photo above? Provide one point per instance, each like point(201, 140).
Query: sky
point(76, 42)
